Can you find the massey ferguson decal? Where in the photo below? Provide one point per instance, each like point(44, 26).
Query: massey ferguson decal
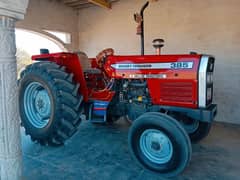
point(175, 65)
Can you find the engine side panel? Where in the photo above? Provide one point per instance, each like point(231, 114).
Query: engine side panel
point(172, 79)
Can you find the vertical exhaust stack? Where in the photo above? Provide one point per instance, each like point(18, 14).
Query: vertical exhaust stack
point(142, 27)
point(158, 44)
point(139, 18)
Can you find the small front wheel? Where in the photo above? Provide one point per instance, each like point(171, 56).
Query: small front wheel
point(160, 144)
point(197, 130)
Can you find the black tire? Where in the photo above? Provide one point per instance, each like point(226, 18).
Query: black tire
point(66, 104)
point(197, 130)
point(114, 110)
point(201, 132)
point(111, 119)
point(181, 145)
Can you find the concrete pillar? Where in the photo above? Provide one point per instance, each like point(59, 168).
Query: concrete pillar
point(10, 147)
point(10, 154)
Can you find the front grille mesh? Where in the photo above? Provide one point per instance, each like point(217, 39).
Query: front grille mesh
point(176, 92)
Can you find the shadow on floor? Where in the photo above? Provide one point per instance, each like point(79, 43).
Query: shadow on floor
point(101, 152)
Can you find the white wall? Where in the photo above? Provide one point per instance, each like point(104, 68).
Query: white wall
point(207, 26)
point(51, 15)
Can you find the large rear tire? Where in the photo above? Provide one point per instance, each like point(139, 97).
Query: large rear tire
point(160, 144)
point(49, 103)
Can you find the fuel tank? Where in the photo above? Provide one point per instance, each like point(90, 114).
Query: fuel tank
point(172, 79)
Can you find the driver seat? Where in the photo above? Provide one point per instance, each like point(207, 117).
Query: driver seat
point(93, 75)
point(85, 62)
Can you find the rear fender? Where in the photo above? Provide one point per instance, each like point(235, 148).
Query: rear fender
point(72, 64)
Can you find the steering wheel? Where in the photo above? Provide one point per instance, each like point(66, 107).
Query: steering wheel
point(100, 58)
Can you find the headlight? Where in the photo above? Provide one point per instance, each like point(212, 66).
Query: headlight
point(209, 94)
point(209, 78)
point(205, 81)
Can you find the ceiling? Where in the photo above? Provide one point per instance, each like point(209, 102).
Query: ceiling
point(80, 4)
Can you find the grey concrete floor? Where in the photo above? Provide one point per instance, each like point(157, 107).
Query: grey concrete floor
point(101, 152)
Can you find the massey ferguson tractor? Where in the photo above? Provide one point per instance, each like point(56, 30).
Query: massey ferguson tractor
point(168, 99)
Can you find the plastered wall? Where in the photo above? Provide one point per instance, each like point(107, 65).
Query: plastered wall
point(207, 26)
point(52, 15)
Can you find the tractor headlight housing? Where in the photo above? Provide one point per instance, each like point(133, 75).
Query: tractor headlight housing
point(205, 81)
point(209, 94)
point(209, 77)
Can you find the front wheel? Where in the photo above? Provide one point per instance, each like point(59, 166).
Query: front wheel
point(160, 144)
point(196, 130)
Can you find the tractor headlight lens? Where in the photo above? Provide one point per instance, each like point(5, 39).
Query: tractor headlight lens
point(209, 94)
point(209, 78)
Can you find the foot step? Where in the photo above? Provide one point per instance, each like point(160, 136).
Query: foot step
point(98, 120)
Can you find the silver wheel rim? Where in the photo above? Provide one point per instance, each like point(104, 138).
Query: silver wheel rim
point(37, 105)
point(156, 146)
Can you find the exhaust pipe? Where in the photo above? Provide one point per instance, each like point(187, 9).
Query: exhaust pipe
point(139, 18)
point(142, 27)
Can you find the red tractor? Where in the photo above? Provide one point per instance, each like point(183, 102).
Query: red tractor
point(168, 99)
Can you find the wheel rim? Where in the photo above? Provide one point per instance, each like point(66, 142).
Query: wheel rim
point(156, 146)
point(190, 125)
point(37, 105)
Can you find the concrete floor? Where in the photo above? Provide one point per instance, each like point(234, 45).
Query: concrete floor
point(101, 152)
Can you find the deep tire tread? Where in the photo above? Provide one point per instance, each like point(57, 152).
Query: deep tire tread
point(67, 106)
point(75, 91)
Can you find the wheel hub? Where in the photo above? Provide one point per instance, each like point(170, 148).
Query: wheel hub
point(42, 103)
point(156, 146)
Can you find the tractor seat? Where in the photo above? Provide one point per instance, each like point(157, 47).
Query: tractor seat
point(84, 61)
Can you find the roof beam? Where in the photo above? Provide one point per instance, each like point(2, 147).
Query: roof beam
point(69, 1)
point(101, 3)
point(78, 3)
point(84, 6)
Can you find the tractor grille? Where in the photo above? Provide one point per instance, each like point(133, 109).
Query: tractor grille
point(176, 92)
